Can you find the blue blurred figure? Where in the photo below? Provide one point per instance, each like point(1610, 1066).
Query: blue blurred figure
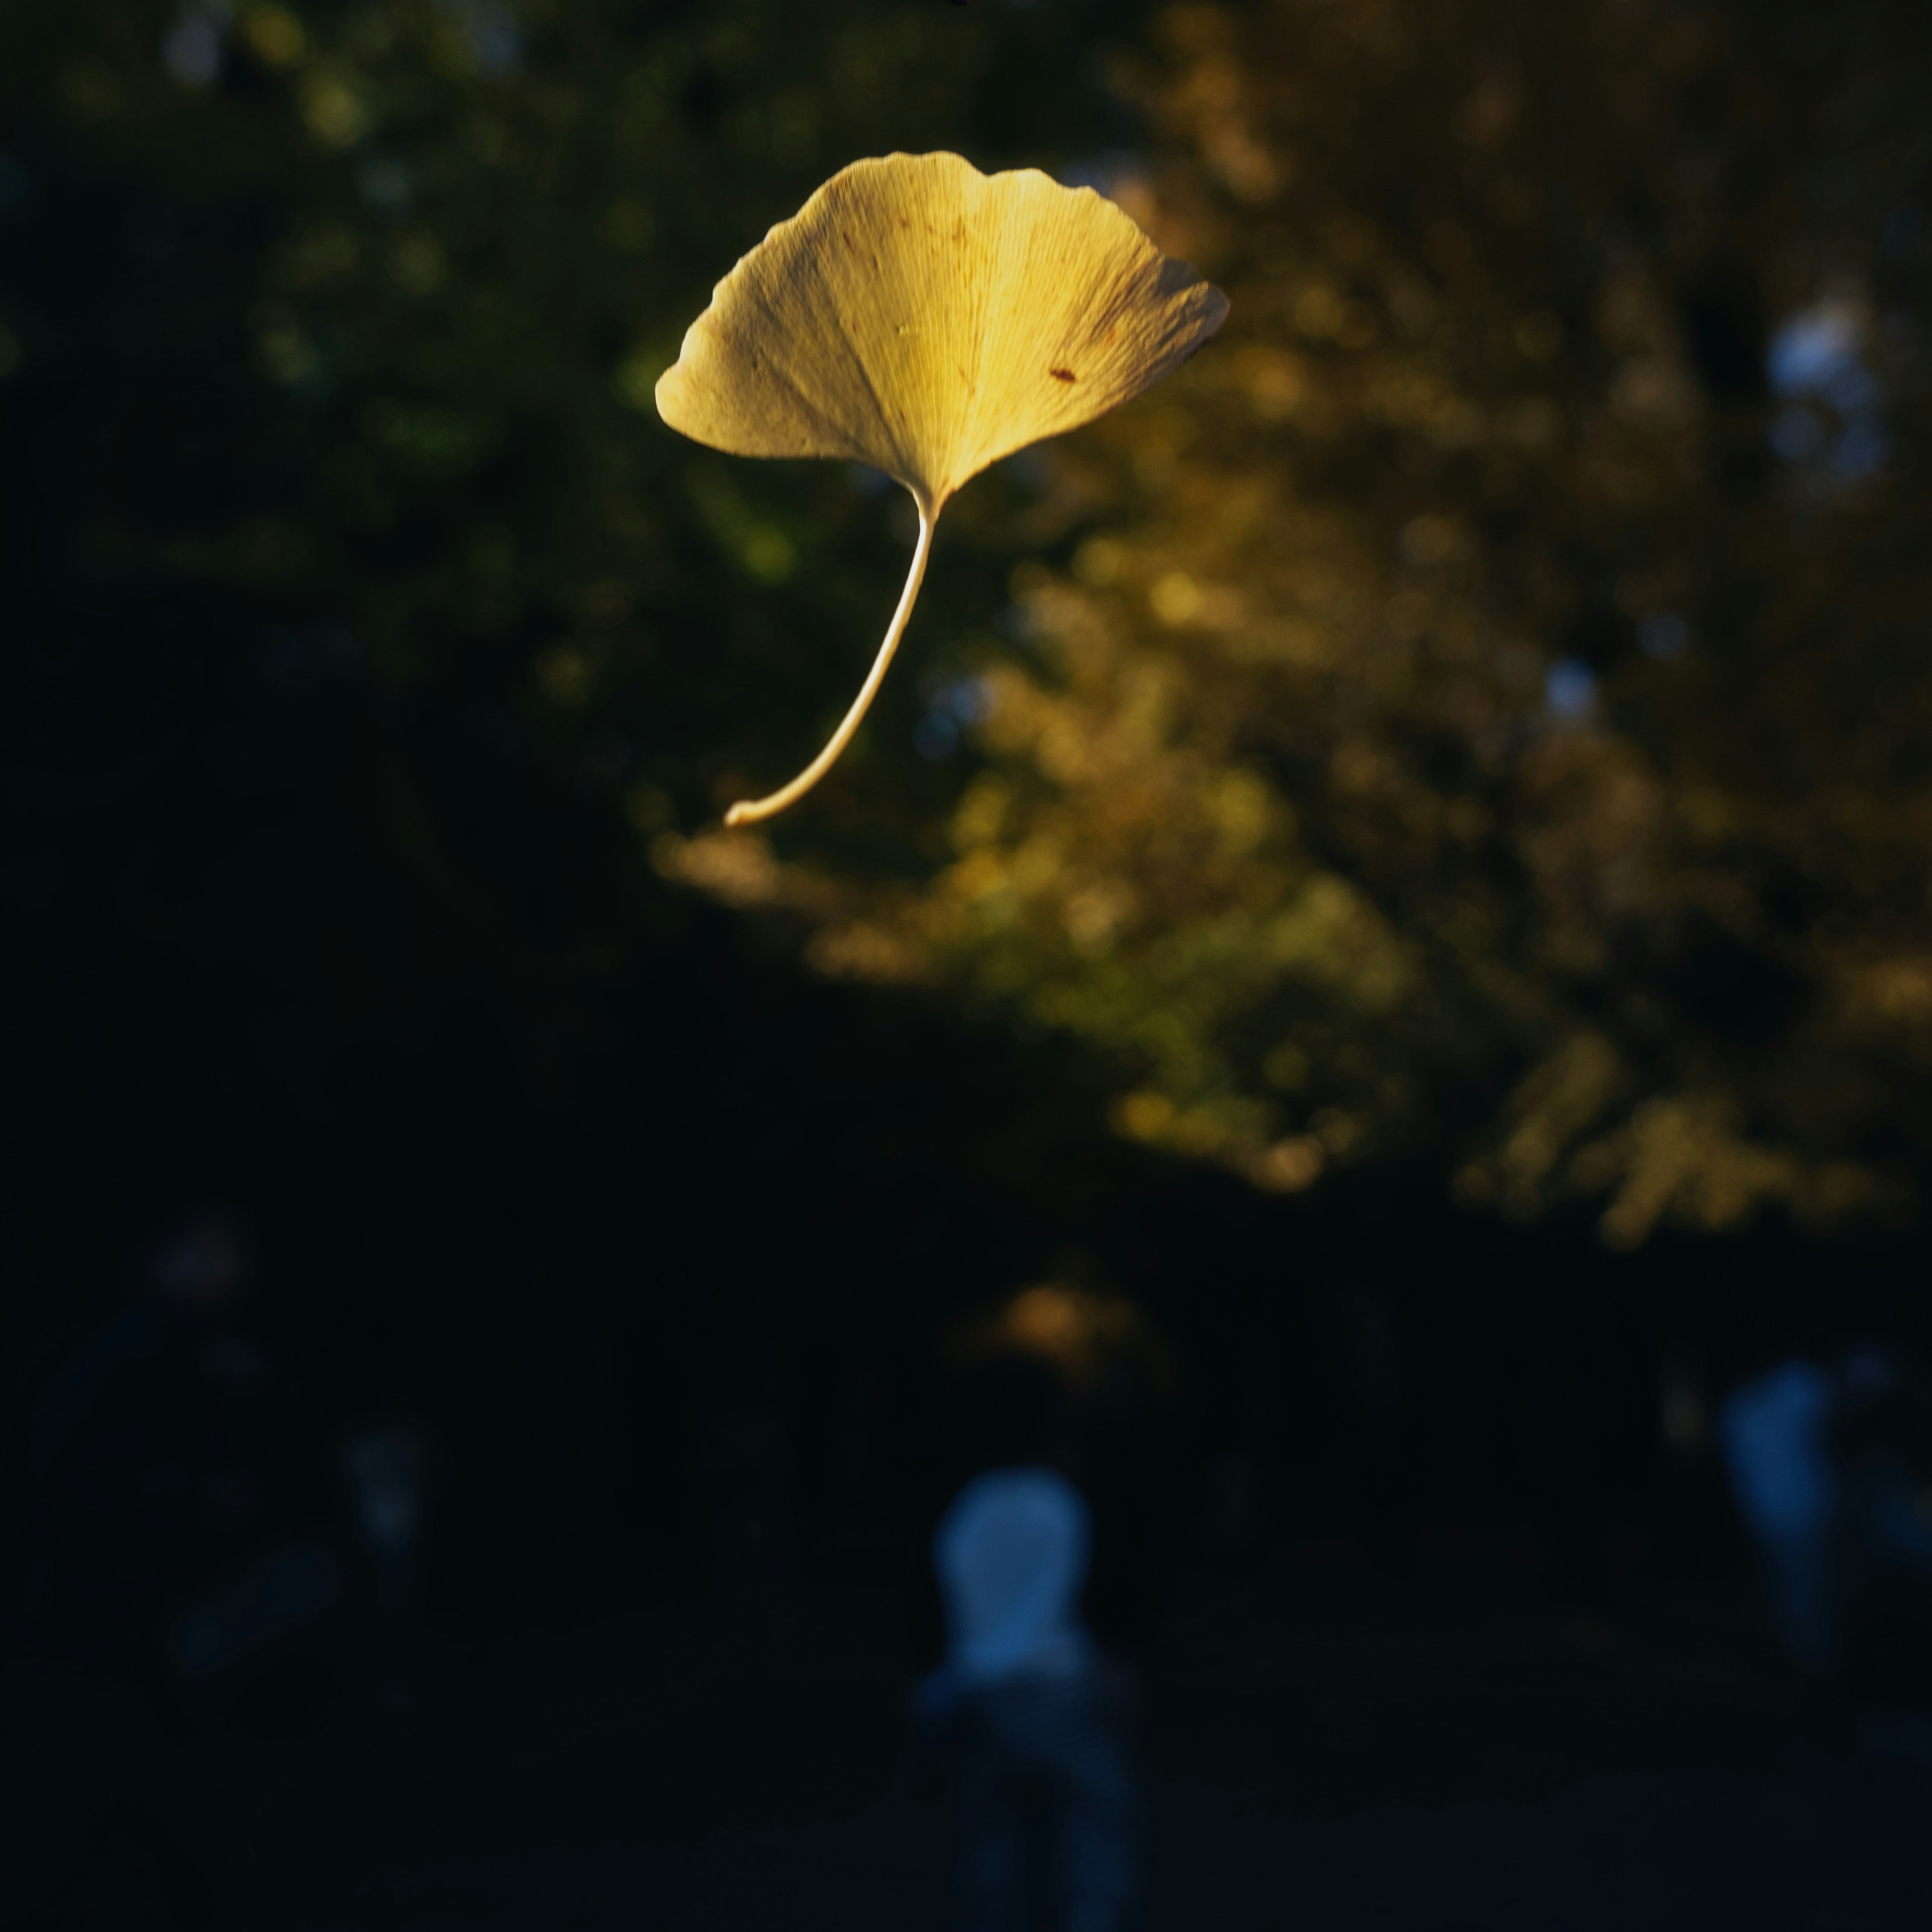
point(1830, 1468)
point(391, 1467)
point(1049, 1816)
point(1776, 1432)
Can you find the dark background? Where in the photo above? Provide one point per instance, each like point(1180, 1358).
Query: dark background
point(318, 901)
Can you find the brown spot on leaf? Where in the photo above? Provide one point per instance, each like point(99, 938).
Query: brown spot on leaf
point(1063, 375)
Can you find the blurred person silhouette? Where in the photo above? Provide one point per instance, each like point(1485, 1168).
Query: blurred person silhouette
point(1049, 1816)
point(1881, 1443)
point(395, 1467)
point(1774, 1430)
point(1829, 1455)
point(188, 1567)
point(188, 1505)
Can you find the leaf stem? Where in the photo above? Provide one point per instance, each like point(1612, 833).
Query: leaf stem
point(749, 811)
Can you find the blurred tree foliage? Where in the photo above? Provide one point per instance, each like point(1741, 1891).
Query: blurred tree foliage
point(1480, 706)
point(361, 619)
point(1483, 704)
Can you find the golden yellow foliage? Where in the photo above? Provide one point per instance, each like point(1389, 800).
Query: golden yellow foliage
point(1479, 711)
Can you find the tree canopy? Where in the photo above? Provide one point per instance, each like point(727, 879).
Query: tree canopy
point(362, 619)
point(1479, 706)
point(1483, 705)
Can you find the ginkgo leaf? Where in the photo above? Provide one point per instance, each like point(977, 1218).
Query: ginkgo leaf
point(927, 319)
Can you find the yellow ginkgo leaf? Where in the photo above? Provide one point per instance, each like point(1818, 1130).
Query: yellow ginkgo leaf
point(926, 319)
